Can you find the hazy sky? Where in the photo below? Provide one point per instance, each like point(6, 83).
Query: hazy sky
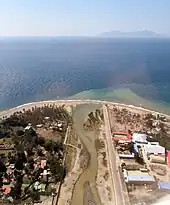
point(82, 17)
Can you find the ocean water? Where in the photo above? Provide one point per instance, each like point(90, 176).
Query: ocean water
point(33, 69)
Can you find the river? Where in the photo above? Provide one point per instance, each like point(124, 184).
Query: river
point(88, 139)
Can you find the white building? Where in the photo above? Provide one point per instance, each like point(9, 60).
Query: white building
point(140, 138)
point(154, 149)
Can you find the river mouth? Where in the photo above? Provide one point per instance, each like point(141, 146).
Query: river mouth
point(85, 188)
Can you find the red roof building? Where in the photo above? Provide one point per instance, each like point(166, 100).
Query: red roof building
point(6, 190)
point(122, 136)
point(43, 163)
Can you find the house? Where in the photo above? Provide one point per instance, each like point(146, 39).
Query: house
point(140, 180)
point(29, 127)
point(139, 177)
point(139, 138)
point(43, 163)
point(155, 149)
point(164, 185)
point(122, 136)
point(45, 175)
point(6, 190)
point(39, 186)
point(126, 156)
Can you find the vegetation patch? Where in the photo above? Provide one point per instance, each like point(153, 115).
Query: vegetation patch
point(32, 153)
point(99, 144)
point(104, 159)
point(94, 120)
point(84, 158)
point(106, 175)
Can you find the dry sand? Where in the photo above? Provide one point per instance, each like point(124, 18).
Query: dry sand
point(75, 102)
point(69, 182)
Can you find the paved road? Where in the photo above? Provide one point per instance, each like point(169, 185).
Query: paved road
point(112, 154)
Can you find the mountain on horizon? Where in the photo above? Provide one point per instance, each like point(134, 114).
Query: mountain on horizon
point(134, 34)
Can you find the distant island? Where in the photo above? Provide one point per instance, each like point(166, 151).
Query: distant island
point(134, 34)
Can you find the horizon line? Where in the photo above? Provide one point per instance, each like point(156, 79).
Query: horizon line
point(83, 36)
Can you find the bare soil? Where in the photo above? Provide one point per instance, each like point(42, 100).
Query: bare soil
point(49, 134)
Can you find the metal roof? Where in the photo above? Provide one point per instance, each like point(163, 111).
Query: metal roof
point(137, 137)
point(164, 185)
point(155, 149)
point(141, 178)
point(126, 156)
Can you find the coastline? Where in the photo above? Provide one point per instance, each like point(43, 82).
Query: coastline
point(76, 102)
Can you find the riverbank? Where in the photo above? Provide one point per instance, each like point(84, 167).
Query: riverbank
point(82, 194)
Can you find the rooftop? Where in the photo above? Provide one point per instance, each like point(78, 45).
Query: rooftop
point(6, 190)
point(164, 185)
point(43, 163)
point(122, 136)
point(126, 156)
point(137, 173)
point(137, 137)
point(155, 149)
point(141, 178)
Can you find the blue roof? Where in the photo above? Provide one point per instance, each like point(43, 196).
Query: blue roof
point(140, 178)
point(164, 185)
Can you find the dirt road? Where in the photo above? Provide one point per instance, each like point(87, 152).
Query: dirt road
point(117, 188)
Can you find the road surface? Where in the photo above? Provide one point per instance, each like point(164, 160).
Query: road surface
point(113, 165)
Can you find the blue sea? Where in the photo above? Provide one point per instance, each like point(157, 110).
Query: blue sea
point(33, 69)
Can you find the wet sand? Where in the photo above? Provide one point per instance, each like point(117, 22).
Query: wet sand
point(88, 139)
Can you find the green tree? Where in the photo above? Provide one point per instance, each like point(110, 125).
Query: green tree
point(41, 141)
point(57, 170)
point(48, 145)
point(35, 196)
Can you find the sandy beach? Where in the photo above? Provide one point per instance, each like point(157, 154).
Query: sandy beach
point(76, 102)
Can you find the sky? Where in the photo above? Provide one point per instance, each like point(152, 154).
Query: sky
point(82, 17)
